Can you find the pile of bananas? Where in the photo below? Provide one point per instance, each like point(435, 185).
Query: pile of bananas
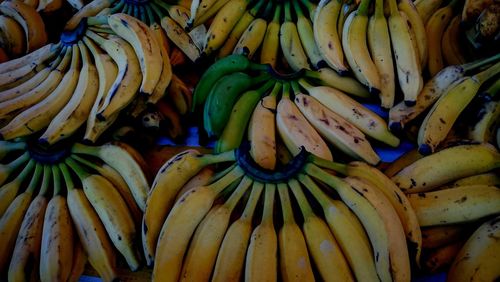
point(225, 224)
point(236, 93)
point(50, 226)
point(90, 76)
point(22, 29)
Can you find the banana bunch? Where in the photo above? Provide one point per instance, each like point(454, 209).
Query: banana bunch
point(234, 96)
point(85, 80)
point(22, 29)
point(238, 220)
point(43, 215)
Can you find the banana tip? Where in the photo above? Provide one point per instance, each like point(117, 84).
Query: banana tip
point(425, 149)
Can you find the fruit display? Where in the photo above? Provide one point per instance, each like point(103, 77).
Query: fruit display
point(342, 140)
point(72, 205)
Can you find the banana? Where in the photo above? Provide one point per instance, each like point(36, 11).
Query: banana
point(490, 178)
point(234, 131)
point(147, 49)
point(405, 160)
point(7, 147)
point(351, 238)
point(442, 235)
point(356, 50)
point(438, 122)
point(75, 113)
point(442, 257)
point(12, 37)
point(11, 221)
point(107, 72)
point(231, 257)
point(126, 161)
point(435, 28)
point(19, 76)
point(26, 255)
point(478, 258)
point(455, 205)
point(336, 129)
point(294, 257)
point(406, 54)
point(426, 8)
point(296, 131)
point(271, 42)
point(90, 230)
point(118, 182)
point(30, 20)
point(39, 116)
point(207, 10)
point(365, 120)
point(447, 165)
point(166, 71)
point(223, 96)
point(79, 261)
point(164, 190)
point(328, 77)
point(488, 117)
point(180, 94)
point(450, 44)
point(372, 222)
point(261, 262)
point(398, 251)
point(240, 27)
point(204, 177)
point(89, 10)
point(327, 36)
point(323, 247)
point(202, 253)
point(418, 27)
point(181, 223)
point(222, 24)
point(77, 4)
point(379, 44)
point(128, 80)
point(9, 190)
point(253, 36)
point(36, 57)
point(6, 170)
point(172, 119)
point(180, 38)
point(401, 114)
point(49, 6)
point(261, 130)
point(306, 35)
point(57, 236)
point(25, 100)
point(178, 13)
point(112, 211)
point(290, 43)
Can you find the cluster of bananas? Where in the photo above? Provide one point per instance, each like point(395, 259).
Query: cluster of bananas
point(22, 29)
point(452, 192)
point(225, 224)
point(234, 97)
point(90, 76)
point(94, 212)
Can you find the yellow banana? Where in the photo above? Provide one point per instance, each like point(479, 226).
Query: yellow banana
point(203, 177)
point(489, 178)
point(426, 8)
point(450, 43)
point(439, 258)
point(12, 37)
point(36, 57)
point(306, 35)
point(166, 71)
point(9, 190)
point(349, 85)
point(89, 10)
point(418, 27)
point(252, 38)
point(441, 235)
point(180, 38)
point(271, 43)
point(290, 43)
point(207, 10)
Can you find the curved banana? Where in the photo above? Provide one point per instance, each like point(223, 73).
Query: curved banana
point(349, 85)
point(451, 45)
point(9, 190)
point(447, 165)
point(48, 6)
point(166, 71)
point(479, 257)
point(180, 38)
point(89, 10)
point(40, 115)
point(36, 57)
point(12, 37)
point(271, 42)
point(327, 35)
point(296, 131)
point(306, 35)
point(207, 10)
point(455, 205)
point(253, 36)
point(426, 8)
point(488, 118)
point(418, 27)
point(8, 170)
point(290, 43)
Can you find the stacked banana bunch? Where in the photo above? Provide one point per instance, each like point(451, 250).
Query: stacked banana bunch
point(236, 93)
point(64, 207)
point(238, 220)
point(453, 191)
point(22, 29)
point(88, 78)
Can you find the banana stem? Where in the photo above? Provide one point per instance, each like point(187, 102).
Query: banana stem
point(295, 87)
point(494, 89)
point(85, 162)
point(276, 89)
point(56, 179)
point(248, 212)
point(301, 198)
point(264, 88)
point(286, 91)
point(163, 4)
point(268, 11)
point(363, 8)
point(379, 8)
point(68, 180)
point(488, 73)
point(220, 174)
point(255, 9)
point(35, 179)
point(12, 146)
point(285, 203)
point(209, 159)
point(45, 180)
point(479, 63)
point(267, 216)
point(235, 174)
point(309, 6)
point(15, 164)
point(97, 20)
point(78, 169)
point(26, 170)
point(258, 67)
point(277, 13)
point(150, 15)
point(95, 37)
point(79, 148)
point(393, 6)
point(117, 7)
point(238, 193)
point(317, 193)
point(288, 12)
point(102, 30)
point(157, 10)
point(318, 173)
point(298, 10)
point(338, 167)
point(303, 82)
